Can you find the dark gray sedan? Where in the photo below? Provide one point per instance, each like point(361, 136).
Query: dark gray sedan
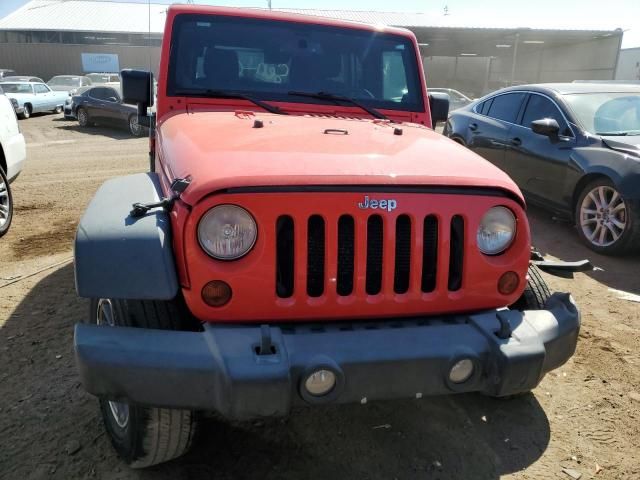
point(571, 148)
point(104, 105)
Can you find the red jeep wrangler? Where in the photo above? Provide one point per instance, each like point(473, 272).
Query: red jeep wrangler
point(303, 238)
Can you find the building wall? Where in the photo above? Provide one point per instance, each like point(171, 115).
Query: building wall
point(629, 65)
point(591, 60)
point(48, 59)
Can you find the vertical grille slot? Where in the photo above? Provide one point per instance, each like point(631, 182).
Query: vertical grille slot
point(346, 254)
point(456, 253)
point(374, 255)
point(429, 253)
point(284, 256)
point(403, 254)
point(315, 256)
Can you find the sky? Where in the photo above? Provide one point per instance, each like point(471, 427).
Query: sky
point(572, 14)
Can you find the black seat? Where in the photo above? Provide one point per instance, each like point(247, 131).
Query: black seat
point(221, 69)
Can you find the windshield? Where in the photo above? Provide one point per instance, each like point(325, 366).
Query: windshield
point(65, 81)
point(102, 78)
point(607, 113)
point(16, 88)
point(268, 59)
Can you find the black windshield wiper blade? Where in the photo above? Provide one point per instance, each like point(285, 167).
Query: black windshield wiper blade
point(339, 98)
point(620, 133)
point(231, 94)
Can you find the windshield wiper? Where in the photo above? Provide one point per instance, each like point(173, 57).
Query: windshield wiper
point(231, 94)
point(619, 134)
point(339, 98)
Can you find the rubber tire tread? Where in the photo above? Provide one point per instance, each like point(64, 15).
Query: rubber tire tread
point(154, 435)
point(6, 226)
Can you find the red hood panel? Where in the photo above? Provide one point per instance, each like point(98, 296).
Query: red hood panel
point(222, 150)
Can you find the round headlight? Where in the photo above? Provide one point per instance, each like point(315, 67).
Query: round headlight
point(496, 231)
point(227, 232)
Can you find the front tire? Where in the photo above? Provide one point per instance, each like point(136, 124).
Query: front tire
point(606, 222)
point(134, 126)
point(26, 112)
point(535, 294)
point(6, 204)
point(83, 118)
point(144, 436)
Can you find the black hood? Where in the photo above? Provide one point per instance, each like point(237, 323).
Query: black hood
point(627, 144)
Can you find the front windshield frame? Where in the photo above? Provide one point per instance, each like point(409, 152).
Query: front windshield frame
point(587, 121)
point(409, 57)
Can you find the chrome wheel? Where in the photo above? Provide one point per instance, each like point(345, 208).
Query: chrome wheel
point(134, 126)
point(5, 203)
point(603, 216)
point(106, 315)
point(83, 117)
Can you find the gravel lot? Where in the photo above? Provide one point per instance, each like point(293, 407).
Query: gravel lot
point(584, 417)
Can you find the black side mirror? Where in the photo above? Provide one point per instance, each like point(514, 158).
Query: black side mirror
point(137, 87)
point(439, 106)
point(547, 127)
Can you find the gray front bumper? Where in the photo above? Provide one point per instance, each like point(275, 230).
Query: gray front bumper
point(219, 369)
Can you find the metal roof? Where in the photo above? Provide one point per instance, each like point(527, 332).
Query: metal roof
point(87, 16)
point(123, 17)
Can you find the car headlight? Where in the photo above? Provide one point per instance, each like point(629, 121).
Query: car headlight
point(227, 232)
point(496, 231)
point(14, 102)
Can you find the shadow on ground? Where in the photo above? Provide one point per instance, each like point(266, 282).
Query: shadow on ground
point(560, 239)
point(116, 132)
point(51, 427)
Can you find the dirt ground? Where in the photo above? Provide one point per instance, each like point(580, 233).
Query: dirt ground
point(584, 416)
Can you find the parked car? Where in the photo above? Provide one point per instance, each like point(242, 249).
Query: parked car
point(279, 253)
point(456, 99)
point(12, 158)
point(70, 106)
point(102, 78)
point(572, 148)
point(68, 83)
point(32, 97)
point(104, 105)
point(22, 78)
point(5, 72)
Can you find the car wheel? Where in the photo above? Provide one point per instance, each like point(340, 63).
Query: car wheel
point(134, 126)
point(6, 204)
point(534, 297)
point(83, 117)
point(58, 109)
point(143, 436)
point(605, 221)
point(535, 294)
point(26, 112)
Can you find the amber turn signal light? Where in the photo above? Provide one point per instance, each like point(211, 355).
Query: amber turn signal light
point(508, 283)
point(216, 293)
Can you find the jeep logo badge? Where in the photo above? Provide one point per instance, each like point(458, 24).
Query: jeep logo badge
point(388, 205)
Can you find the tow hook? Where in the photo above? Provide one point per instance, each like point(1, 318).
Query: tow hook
point(559, 269)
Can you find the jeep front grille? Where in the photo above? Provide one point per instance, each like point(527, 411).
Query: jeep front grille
point(405, 252)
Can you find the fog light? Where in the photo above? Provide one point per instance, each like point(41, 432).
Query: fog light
point(320, 382)
point(216, 293)
point(508, 283)
point(461, 371)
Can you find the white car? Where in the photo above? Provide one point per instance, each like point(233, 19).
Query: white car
point(33, 97)
point(12, 156)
